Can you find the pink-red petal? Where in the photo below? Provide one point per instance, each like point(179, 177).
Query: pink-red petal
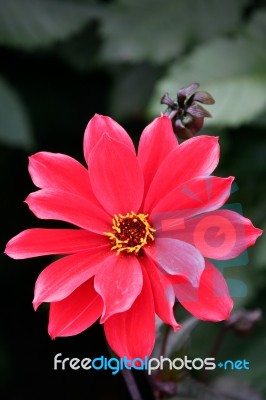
point(63, 276)
point(221, 234)
point(97, 126)
point(156, 142)
point(211, 301)
point(196, 196)
point(132, 333)
point(75, 313)
point(68, 207)
point(197, 156)
point(118, 281)
point(39, 242)
point(58, 171)
point(116, 176)
point(163, 293)
point(177, 258)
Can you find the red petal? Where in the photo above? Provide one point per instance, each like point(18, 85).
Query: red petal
point(76, 313)
point(163, 293)
point(57, 204)
point(118, 281)
point(220, 235)
point(132, 333)
point(196, 196)
point(197, 156)
point(211, 301)
point(97, 126)
point(177, 258)
point(116, 177)
point(62, 277)
point(39, 242)
point(156, 142)
point(58, 171)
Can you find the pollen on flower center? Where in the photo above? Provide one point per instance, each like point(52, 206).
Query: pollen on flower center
point(130, 232)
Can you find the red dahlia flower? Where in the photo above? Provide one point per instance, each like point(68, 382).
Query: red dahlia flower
point(140, 240)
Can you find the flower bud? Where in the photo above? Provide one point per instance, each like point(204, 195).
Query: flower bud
point(186, 114)
point(244, 321)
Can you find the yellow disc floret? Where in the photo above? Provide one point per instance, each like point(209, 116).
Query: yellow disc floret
point(130, 232)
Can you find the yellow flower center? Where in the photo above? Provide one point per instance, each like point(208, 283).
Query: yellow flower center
point(130, 232)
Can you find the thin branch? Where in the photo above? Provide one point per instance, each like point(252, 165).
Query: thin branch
point(131, 384)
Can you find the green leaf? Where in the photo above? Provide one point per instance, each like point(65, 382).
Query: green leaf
point(182, 337)
point(15, 129)
point(260, 254)
point(232, 71)
point(235, 389)
point(235, 347)
point(252, 350)
point(231, 390)
point(175, 340)
point(81, 50)
point(190, 389)
point(131, 90)
point(158, 30)
point(29, 24)
point(257, 25)
point(256, 354)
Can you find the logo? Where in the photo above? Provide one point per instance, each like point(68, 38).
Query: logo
point(215, 232)
point(149, 364)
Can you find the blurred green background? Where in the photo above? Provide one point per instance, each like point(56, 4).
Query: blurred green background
point(62, 61)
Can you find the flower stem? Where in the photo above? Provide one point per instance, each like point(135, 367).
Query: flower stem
point(217, 344)
point(214, 350)
point(167, 333)
point(129, 380)
point(131, 384)
point(165, 340)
